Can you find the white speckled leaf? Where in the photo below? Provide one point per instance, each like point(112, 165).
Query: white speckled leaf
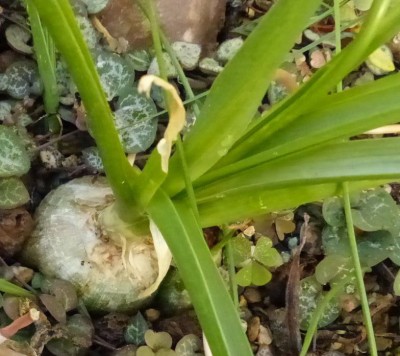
point(134, 123)
point(228, 49)
point(14, 160)
point(169, 67)
point(91, 157)
point(12, 193)
point(95, 6)
point(115, 73)
point(5, 109)
point(188, 54)
point(89, 33)
point(22, 79)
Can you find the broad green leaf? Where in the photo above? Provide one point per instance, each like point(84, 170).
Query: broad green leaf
point(115, 73)
point(134, 332)
point(332, 211)
point(375, 247)
point(188, 345)
point(12, 193)
point(241, 249)
point(376, 210)
point(266, 254)
point(331, 267)
point(14, 160)
point(334, 240)
point(309, 296)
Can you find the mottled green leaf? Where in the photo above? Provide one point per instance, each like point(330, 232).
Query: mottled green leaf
point(134, 333)
point(91, 157)
point(188, 345)
point(12, 193)
point(376, 210)
point(23, 79)
point(134, 122)
point(332, 211)
point(115, 73)
point(332, 266)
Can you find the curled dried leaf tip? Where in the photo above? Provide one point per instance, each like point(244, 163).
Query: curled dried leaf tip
point(176, 119)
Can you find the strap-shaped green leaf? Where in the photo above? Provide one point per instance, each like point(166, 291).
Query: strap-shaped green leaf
point(238, 90)
point(212, 302)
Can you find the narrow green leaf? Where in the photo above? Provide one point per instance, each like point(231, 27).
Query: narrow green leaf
point(11, 288)
point(253, 202)
point(376, 159)
point(379, 27)
point(59, 19)
point(238, 90)
point(45, 56)
point(214, 307)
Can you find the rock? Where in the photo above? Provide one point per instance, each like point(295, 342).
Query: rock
point(15, 226)
point(188, 21)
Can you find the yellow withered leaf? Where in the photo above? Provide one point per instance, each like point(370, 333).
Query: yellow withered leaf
point(177, 116)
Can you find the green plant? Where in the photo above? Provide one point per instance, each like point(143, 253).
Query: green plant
point(239, 166)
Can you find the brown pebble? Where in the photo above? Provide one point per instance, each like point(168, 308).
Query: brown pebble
point(252, 295)
point(152, 314)
point(253, 328)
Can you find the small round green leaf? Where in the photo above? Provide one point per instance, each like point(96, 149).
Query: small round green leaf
point(241, 249)
point(244, 275)
point(157, 341)
point(260, 275)
point(12, 193)
point(266, 254)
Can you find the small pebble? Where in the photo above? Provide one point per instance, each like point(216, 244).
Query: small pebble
point(227, 50)
point(252, 295)
point(152, 314)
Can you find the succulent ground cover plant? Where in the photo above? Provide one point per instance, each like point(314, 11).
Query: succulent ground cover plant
point(234, 163)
